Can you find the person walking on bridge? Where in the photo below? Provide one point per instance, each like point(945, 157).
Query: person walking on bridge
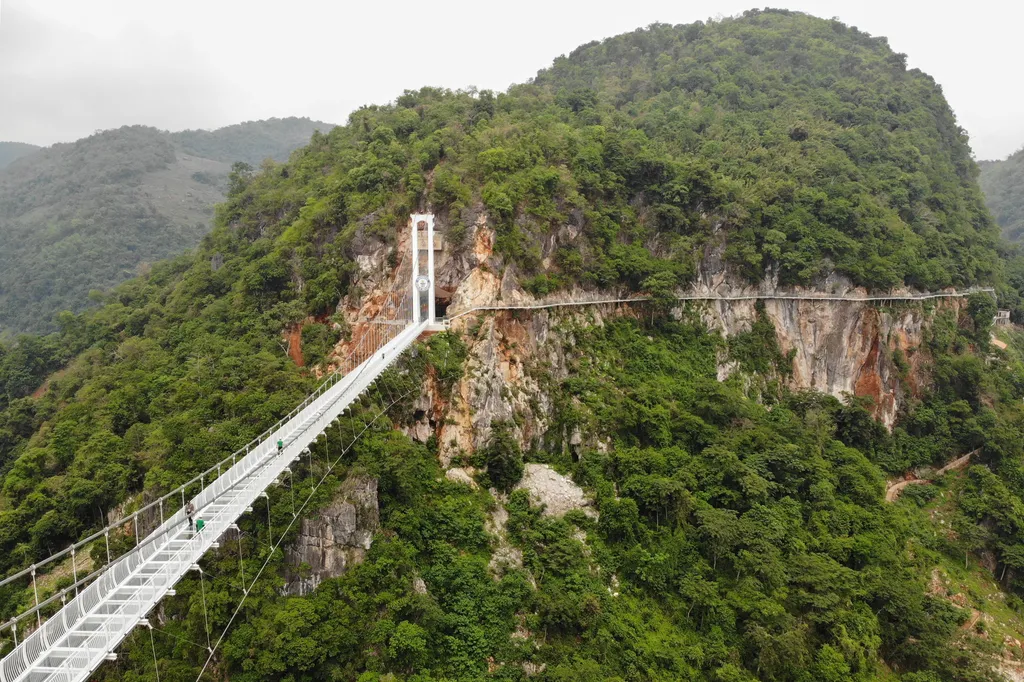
point(190, 511)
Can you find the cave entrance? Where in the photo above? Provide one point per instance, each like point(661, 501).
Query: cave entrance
point(442, 298)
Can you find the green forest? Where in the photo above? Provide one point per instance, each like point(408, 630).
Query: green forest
point(742, 532)
point(77, 219)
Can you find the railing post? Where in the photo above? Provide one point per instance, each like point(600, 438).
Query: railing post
point(24, 650)
point(74, 569)
point(35, 591)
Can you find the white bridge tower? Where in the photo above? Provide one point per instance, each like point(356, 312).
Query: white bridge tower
point(423, 308)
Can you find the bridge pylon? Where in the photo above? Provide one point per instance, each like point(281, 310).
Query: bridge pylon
point(423, 281)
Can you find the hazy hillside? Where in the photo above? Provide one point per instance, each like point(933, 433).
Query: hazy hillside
point(90, 214)
point(9, 151)
point(1003, 184)
point(732, 528)
point(251, 142)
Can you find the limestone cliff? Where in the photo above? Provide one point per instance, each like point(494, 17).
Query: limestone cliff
point(838, 347)
point(841, 348)
point(336, 539)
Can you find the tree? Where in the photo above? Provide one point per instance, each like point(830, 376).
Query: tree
point(970, 536)
point(982, 309)
point(407, 646)
point(721, 530)
point(503, 457)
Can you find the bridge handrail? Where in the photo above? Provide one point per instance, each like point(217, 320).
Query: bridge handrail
point(923, 296)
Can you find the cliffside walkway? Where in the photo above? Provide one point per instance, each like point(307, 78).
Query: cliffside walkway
point(99, 610)
point(582, 300)
point(893, 490)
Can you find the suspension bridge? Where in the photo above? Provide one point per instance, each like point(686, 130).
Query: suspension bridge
point(71, 633)
point(106, 605)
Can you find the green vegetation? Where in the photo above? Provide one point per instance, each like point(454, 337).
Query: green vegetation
point(806, 138)
point(741, 531)
point(9, 151)
point(86, 216)
point(1003, 184)
point(251, 142)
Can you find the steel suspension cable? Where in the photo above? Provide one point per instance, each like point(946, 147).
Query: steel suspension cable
point(152, 644)
point(206, 617)
point(245, 592)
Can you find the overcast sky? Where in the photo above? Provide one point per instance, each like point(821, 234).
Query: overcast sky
point(70, 67)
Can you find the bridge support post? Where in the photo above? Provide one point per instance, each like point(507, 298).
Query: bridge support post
point(415, 268)
point(431, 301)
point(422, 283)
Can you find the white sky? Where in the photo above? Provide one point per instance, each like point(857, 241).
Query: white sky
point(70, 67)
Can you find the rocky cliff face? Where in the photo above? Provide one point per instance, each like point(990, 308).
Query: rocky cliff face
point(838, 347)
point(336, 539)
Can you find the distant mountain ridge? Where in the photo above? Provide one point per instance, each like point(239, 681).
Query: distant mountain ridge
point(90, 214)
point(251, 141)
point(1003, 185)
point(10, 151)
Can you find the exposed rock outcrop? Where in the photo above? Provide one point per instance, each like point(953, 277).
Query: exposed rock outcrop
point(837, 347)
point(557, 493)
point(336, 539)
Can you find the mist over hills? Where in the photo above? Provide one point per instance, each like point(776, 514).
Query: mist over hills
point(1003, 184)
point(87, 215)
point(9, 151)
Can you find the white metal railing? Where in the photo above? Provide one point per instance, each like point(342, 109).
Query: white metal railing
point(599, 298)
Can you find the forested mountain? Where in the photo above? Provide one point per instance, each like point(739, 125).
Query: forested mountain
point(736, 528)
point(9, 151)
point(251, 142)
point(1003, 184)
point(88, 215)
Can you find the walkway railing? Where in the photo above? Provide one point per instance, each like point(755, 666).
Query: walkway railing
point(600, 299)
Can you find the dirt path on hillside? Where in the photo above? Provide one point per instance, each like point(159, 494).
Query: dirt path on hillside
point(893, 490)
